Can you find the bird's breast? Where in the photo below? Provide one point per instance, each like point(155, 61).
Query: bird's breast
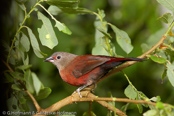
point(71, 79)
point(93, 76)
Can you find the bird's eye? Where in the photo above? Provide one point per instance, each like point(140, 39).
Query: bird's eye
point(58, 57)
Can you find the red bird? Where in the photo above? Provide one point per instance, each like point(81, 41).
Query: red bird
point(84, 70)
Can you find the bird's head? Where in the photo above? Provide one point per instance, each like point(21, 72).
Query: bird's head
point(60, 59)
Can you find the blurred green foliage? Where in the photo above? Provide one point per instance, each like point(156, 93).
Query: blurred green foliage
point(137, 18)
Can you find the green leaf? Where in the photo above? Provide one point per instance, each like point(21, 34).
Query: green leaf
point(142, 96)
point(170, 73)
point(103, 45)
point(104, 32)
point(163, 75)
point(155, 99)
point(17, 87)
point(68, 6)
point(34, 44)
point(24, 108)
point(20, 54)
point(171, 40)
point(101, 13)
point(62, 27)
point(166, 18)
point(100, 49)
point(100, 45)
point(153, 39)
point(8, 78)
point(150, 113)
point(123, 39)
point(169, 4)
point(21, 98)
point(22, 6)
point(44, 93)
point(54, 10)
point(24, 67)
point(37, 83)
point(76, 10)
point(12, 104)
point(91, 113)
point(144, 47)
point(26, 61)
point(64, 3)
point(158, 59)
point(111, 102)
point(29, 81)
point(130, 92)
point(17, 75)
point(21, 1)
point(140, 108)
point(170, 54)
point(47, 35)
point(160, 105)
point(25, 42)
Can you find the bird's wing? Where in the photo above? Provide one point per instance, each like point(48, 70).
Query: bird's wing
point(81, 67)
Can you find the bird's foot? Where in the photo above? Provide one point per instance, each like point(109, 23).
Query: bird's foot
point(79, 89)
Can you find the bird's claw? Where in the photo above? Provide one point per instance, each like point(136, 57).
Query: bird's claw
point(78, 91)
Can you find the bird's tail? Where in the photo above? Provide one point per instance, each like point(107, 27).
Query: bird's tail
point(125, 59)
point(133, 59)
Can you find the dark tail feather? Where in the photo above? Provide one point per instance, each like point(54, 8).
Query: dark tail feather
point(118, 61)
point(125, 59)
point(135, 59)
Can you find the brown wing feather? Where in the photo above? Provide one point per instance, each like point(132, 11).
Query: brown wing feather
point(81, 67)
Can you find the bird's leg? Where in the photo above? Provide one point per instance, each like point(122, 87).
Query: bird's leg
point(95, 86)
point(79, 89)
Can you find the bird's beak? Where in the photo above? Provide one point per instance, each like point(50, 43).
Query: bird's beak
point(49, 59)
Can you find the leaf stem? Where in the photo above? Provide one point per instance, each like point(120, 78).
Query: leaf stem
point(169, 46)
point(169, 28)
point(138, 92)
point(98, 16)
point(46, 11)
point(129, 81)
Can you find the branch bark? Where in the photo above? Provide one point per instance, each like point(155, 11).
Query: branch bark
point(87, 96)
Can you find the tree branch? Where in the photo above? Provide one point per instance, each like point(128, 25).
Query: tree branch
point(87, 96)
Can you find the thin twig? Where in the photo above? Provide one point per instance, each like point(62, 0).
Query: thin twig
point(34, 101)
point(8, 66)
